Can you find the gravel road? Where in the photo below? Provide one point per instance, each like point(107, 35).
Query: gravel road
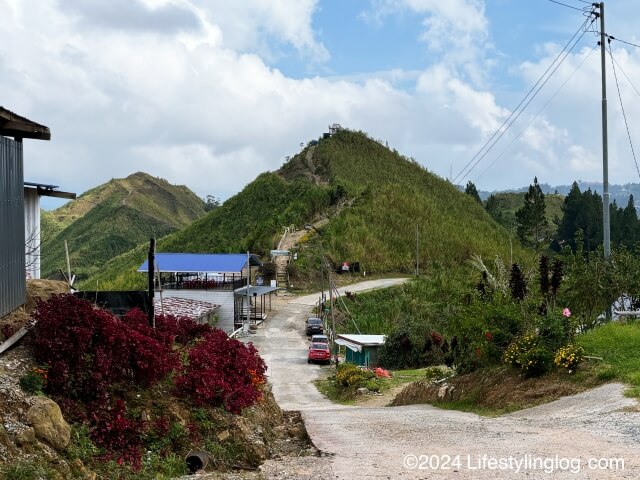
point(592, 435)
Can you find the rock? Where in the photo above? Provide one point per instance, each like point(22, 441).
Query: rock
point(362, 391)
point(442, 392)
point(48, 423)
point(26, 436)
point(222, 436)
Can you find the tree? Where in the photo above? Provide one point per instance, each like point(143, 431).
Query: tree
point(471, 189)
point(531, 217)
point(210, 203)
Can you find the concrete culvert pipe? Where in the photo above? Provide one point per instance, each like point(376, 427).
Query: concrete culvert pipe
point(196, 460)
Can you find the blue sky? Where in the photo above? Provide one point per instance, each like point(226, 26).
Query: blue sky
point(210, 93)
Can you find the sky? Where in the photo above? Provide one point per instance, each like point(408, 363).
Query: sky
point(211, 93)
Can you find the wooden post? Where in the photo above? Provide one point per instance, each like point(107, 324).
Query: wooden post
point(151, 272)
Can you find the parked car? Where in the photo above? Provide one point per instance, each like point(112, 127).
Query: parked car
point(319, 339)
point(313, 325)
point(319, 352)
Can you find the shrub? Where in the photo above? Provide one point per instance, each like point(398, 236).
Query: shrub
point(34, 381)
point(118, 434)
point(89, 350)
point(373, 385)
point(569, 357)
point(349, 375)
point(399, 352)
point(529, 355)
point(222, 371)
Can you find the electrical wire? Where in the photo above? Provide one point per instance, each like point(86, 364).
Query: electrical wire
point(513, 112)
point(624, 115)
point(511, 119)
point(626, 76)
point(535, 117)
point(565, 5)
point(610, 37)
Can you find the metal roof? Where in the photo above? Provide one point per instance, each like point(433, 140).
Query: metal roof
point(257, 290)
point(365, 340)
point(45, 190)
point(201, 262)
point(17, 126)
point(183, 307)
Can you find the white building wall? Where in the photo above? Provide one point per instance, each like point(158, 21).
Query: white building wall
point(32, 232)
point(224, 298)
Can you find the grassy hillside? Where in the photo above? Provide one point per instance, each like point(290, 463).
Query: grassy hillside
point(113, 218)
point(374, 199)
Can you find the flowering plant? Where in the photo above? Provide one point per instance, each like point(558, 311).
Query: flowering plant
point(566, 312)
point(569, 357)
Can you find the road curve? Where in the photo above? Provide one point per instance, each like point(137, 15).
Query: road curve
point(557, 440)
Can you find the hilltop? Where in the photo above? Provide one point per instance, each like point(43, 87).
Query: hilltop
point(372, 197)
point(113, 218)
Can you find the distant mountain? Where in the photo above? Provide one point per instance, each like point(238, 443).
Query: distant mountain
point(113, 218)
point(372, 199)
point(619, 193)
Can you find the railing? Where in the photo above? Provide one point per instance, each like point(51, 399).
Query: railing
point(224, 282)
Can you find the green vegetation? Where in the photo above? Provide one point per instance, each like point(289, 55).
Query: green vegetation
point(341, 387)
point(617, 345)
point(113, 218)
point(373, 197)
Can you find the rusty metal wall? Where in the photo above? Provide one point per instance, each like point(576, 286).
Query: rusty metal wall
point(12, 260)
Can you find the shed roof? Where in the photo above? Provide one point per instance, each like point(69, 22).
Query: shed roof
point(363, 340)
point(201, 262)
point(254, 290)
point(45, 190)
point(17, 126)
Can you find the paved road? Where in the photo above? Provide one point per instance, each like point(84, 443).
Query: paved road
point(556, 440)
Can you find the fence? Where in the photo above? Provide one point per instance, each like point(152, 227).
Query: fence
point(12, 250)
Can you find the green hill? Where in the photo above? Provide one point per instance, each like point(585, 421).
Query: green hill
point(113, 218)
point(373, 198)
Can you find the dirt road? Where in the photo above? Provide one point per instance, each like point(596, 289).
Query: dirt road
point(593, 435)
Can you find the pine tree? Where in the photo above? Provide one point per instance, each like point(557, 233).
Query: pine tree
point(471, 189)
point(531, 217)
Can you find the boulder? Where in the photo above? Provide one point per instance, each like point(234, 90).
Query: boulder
point(48, 423)
point(26, 436)
point(362, 391)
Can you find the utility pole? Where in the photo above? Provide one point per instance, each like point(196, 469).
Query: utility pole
point(417, 253)
point(606, 226)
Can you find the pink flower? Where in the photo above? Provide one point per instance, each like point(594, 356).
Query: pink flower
point(566, 312)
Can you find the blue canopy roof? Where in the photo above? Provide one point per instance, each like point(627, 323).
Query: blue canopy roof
point(201, 262)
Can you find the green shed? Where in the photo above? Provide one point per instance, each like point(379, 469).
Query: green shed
point(361, 349)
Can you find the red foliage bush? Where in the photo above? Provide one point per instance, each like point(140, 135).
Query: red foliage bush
point(222, 371)
point(112, 430)
point(169, 329)
point(89, 350)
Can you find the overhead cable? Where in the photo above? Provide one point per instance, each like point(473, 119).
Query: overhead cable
point(531, 94)
point(535, 117)
point(624, 115)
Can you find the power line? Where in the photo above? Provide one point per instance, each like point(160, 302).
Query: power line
point(624, 115)
point(626, 76)
point(568, 6)
point(611, 37)
point(513, 112)
point(534, 118)
point(514, 116)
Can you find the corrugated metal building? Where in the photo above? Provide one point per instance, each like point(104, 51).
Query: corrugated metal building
point(12, 238)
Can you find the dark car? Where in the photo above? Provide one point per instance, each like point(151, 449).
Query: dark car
point(319, 352)
point(313, 325)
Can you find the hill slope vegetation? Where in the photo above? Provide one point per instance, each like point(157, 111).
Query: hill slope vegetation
point(373, 198)
point(113, 218)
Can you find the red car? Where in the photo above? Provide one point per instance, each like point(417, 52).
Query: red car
point(319, 352)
